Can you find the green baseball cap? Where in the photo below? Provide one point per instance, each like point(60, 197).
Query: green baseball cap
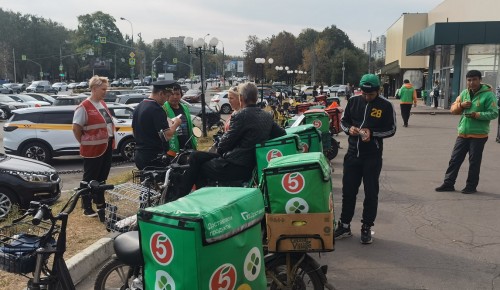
point(369, 83)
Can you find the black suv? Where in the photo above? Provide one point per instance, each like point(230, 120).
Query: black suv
point(23, 180)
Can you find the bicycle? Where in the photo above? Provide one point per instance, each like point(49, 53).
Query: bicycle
point(26, 247)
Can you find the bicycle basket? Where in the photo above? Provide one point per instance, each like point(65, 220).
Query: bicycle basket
point(124, 201)
point(18, 245)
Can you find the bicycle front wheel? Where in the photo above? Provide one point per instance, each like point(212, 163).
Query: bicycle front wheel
point(114, 275)
point(302, 275)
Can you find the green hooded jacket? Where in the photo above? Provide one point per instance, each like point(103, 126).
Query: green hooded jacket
point(174, 141)
point(484, 102)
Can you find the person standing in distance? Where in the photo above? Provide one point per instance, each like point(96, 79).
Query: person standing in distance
point(435, 93)
point(94, 129)
point(408, 96)
point(368, 119)
point(477, 106)
point(151, 128)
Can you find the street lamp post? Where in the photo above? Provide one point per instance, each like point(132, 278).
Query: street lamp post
point(261, 60)
point(198, 48)
point(370, 52)
point(223, 67)
point(131, 27)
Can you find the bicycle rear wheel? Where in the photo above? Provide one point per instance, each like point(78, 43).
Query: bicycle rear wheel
point(114, 275)
point(303, 278)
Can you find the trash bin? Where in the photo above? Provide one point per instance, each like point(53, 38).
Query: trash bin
point(210, 239)
point(299, 183)
point(310, 137)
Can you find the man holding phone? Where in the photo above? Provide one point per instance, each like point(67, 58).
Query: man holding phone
point(478, 106)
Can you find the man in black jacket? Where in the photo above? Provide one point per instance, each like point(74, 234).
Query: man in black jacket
point(368, 119)
point(235, 158)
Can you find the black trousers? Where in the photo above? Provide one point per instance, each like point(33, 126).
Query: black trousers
point(357, 170)
point(206, 166)
point(97, 169)
point(436, 101)
point(405, 112)
point(473, 146)
point(144, 158)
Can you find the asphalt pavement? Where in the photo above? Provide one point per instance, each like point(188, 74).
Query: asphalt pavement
point(422, 239)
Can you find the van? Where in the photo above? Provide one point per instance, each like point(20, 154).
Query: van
point(46, 86)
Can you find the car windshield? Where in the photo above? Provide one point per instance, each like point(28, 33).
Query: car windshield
point(25, 98)
point(6, 99)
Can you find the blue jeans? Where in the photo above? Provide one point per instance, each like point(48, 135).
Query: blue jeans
point(473, 146)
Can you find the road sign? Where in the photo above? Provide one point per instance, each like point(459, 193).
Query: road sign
point(102, 39)
point(174, 60)
point(61, 75)
point(131, 61)
point(23, 57)
point(60, 67)
point(41, 74)
point(132, 54)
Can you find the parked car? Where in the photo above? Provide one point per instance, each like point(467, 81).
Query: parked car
point(127, 83)
point(192, 96)
point(43, 97)
point(48, 90)
point(40, 86)
point(11, 104)
point(4, 90)
point(121, 111)
point(112, 94)
point(24, 180)
point(15, 87)
point(62, 86)
point(69, 100)
point(130, 98)
point(82, 85)
point(116, 83)
point(47, 132)
point(143, 89)
point(28, 100)
point(72, 85)
point(220, 102)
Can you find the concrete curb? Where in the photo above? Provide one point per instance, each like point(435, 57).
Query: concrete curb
point(81, 264)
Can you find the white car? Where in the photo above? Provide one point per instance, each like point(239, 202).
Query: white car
point(60, 86)
point(220, 102)
point(29, 100)
point(72, 85)
point(44, 133)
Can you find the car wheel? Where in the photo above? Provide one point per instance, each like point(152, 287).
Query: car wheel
point(37, 151)
point(225, 109)
point(18, 91)
point(127, 149)
point(7, 199)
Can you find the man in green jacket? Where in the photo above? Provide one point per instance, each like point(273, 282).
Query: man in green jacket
point(408, 97)
point(478, 106)
point(173, 107)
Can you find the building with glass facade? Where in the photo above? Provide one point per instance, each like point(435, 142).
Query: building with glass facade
point(453, 38)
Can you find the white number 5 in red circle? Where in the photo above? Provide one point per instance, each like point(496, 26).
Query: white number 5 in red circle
point(161, 248)
point(293, 182)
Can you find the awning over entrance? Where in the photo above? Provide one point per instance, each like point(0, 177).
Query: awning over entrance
point(391, 68)
point(451, 33)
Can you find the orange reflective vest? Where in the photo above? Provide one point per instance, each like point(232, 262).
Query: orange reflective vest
point(95, 136)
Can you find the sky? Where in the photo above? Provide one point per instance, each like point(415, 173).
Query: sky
point(230, 21)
